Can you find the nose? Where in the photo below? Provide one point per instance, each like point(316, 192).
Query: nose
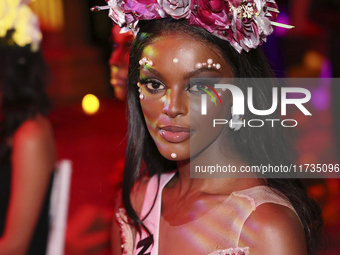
point(176, 103)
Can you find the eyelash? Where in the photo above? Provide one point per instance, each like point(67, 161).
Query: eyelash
point(149, 83)
point(199, 91)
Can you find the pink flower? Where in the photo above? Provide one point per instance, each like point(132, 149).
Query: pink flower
point(216, 5)
point(244, 24)
point(211, 15)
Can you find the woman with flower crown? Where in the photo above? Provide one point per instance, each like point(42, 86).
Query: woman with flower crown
point(163, 210)
point(27, 149)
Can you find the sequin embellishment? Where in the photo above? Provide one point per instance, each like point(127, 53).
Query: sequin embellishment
point(232, 251)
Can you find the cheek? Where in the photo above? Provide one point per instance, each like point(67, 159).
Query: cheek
point(206, 133)
point(151, 111)
point(205, 123)
point(213, 111)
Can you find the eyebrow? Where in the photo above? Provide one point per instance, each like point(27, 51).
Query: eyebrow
point(153, 71)
point(201, 70)
point(187, 76)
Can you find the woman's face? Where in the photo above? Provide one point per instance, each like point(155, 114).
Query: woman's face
point(119, 62)
point(171, 107)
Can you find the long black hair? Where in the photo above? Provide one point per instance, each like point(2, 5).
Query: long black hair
point(255, 146)
point(23, 78)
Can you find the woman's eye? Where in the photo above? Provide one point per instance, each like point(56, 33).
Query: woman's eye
point(198, 88)
point(153, 86)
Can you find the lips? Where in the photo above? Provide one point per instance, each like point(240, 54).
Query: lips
point(174, 134)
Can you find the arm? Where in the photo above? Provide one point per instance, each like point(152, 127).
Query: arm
point(33, 158)
point(273, 229)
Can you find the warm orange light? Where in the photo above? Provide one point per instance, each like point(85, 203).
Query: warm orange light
point(50, 13)
point(90, 104)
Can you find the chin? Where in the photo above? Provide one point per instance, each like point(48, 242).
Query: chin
point(181, 150)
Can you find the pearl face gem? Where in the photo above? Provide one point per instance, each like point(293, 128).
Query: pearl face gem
point(173, 155)
point(145, 61)
point(141, 96)
point(210, 64)
point(175, 60)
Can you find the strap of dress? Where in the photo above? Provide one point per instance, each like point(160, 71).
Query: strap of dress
point(257, 196)
point(143, 243)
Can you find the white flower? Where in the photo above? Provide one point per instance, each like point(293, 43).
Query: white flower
point(117, 12)
point(3, 9)
point(7, 16)
point(27, 28)
point(262, 20)
point(15, 14)
point(176, 8)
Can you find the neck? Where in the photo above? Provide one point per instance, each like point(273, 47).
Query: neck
point(189, 185)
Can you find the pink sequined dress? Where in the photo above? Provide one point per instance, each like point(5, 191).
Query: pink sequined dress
point(201, 236)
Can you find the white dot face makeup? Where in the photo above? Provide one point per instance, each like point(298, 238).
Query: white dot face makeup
point(173, 155)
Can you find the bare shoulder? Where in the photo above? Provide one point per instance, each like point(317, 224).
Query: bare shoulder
point(138, 193)
point(33, 144)
point(34, 130)
point(273, 229)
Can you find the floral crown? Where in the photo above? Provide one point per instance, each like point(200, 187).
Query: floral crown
point(19, 26)
point(244, 23)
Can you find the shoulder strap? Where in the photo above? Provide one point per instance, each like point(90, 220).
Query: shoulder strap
point(144, 243)
point(259, 195)
point(263, 194)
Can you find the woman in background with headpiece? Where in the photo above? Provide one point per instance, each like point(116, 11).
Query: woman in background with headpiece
point(27, 149)
point(119, 61)
point(163, 210)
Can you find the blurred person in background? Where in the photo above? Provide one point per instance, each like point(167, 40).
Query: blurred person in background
point(27, 146)
point(119, 62)
point(89, 230)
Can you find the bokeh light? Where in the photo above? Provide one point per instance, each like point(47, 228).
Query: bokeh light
point(90, 104)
